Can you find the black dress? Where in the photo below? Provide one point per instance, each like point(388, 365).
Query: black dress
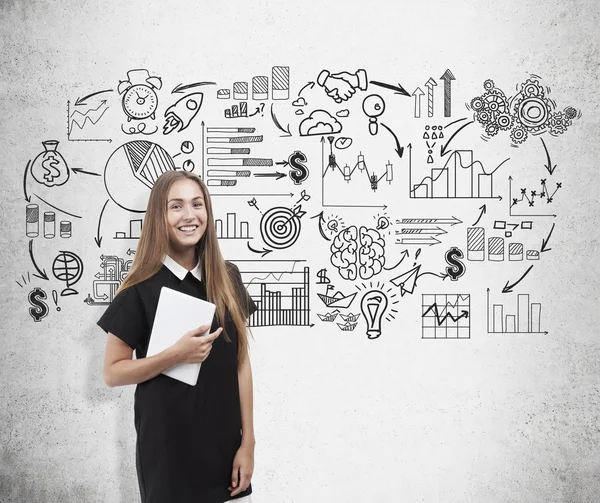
point(187, 436)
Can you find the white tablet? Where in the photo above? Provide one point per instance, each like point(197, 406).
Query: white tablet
point(176, 314)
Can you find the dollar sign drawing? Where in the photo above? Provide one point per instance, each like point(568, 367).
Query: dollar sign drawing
point(40, 308)
point(52, 171)
point(322, 275)
point(457, 268)
point(299, 171)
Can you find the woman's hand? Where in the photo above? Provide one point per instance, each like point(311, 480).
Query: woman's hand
point(243, 468)
point(193, 348)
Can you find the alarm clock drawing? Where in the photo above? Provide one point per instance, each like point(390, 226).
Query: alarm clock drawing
point(140, 100)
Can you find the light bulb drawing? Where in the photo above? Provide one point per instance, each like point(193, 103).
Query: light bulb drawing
point(373, 306)
point(373, 106)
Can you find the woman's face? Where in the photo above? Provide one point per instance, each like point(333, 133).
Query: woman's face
point(186, 214)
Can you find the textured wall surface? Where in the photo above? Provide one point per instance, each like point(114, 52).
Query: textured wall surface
point(338, 417)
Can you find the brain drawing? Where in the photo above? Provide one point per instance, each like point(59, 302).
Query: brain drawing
point(358, 252)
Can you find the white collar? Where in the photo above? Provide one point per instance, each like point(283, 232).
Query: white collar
point(179, 270)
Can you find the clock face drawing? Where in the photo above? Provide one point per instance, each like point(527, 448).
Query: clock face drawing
point(140, 102)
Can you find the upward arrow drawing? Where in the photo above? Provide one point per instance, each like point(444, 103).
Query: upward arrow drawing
point(447, 78)
point(430, 84)
point(417, 93)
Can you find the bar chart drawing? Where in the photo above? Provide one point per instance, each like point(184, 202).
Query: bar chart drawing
point(461, 177)
point(280, 292)
point(446, 316)
point(229, 147)
point(280, 90)
point(496, 248)
point(527, 320)
point(231, 228)
point(135, 229)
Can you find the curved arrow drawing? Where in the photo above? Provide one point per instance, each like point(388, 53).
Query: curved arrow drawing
point(264, 251)
point(27, 198)
point(42, 274)
point(321, 222)
point(508, 288)
point(81, 101)
point(443, 149)
point(548, 164)
point(98, 239)
point(483, 210)
point(399, 149)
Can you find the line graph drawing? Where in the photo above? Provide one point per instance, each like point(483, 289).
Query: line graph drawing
point(527, 199)
point(446, 316)
point(77, 121)
point(281, 293)
point(459, 178)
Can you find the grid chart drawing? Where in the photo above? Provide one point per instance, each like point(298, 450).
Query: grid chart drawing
point(446, 316)
point(280, 302)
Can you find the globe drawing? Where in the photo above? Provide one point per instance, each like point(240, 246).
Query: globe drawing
point(67, 267)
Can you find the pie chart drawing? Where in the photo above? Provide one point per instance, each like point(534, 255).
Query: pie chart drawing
point(131, 171)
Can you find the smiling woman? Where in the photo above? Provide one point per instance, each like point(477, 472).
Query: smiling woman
point(194, 443)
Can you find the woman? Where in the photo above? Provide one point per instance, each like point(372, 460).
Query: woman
point(195, 444)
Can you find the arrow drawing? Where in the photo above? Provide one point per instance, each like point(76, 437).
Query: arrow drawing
point(419, 241)
point(56, 208)
point(180, 88)
point(441, 319)
point(321, 224)
point(430, 84)
point(545, 241)
point(263, 252)
point(399, 149)
point(277, 175)
point(433, 221)
point(548, 164)
point(98, 239)
point(483, 210)
point(276, 122)
point(310, 85)
point(444, 149)
point(435, 232)
point(79, 170)
point(82, 101)
point(27, 198)
point(447, 78)
point(42, 274)
point(508, 288)
point(398, 89)
point(417, 93)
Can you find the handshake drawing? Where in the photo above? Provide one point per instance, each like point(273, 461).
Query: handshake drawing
point(341, 86)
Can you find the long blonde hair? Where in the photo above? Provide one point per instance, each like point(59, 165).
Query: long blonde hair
point(154, 245)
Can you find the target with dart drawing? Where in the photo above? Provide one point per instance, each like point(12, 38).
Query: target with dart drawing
point(280, 226)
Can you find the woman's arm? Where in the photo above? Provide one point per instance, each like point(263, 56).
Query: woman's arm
point(243, 463)
point(246, 401)
point(120, 369)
